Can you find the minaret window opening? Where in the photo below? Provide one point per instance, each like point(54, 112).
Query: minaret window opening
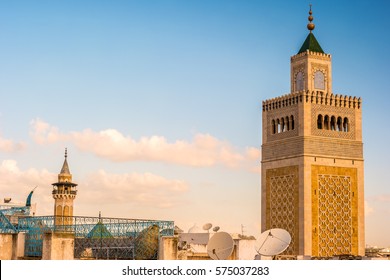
point(59, 210)
point(66, 210)
point(339, 124)
point(287, 123)
point(319, 80)
point(326, 122)
point(345, 125)
point(292, 122)
point(333, 123)
point(273, 127)
point(282, 124)
point(299, 81)
point(320, 122)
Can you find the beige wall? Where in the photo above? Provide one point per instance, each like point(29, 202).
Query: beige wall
point(8, 245)
point(167, 249)
point(58, 246)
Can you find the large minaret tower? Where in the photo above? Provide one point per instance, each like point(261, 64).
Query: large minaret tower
point(64, 192)
point(312, 160)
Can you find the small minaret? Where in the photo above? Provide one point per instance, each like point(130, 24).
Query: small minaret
point(64, 192)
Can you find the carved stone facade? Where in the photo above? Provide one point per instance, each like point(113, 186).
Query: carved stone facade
point(335, 209)
point(282, 202)
point(312, 175)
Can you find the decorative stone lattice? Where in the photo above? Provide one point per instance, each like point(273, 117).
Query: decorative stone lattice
point(282, 205)
point(282, 113)
point(334, 215)
point(318, 109)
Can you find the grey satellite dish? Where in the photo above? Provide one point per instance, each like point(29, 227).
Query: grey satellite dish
point(215, 229)
point(220, 246)
point(273, 242)
point(207, 226)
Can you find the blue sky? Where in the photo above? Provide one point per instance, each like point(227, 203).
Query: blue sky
point(176, 87)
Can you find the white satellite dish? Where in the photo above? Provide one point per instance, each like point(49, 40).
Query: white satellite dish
point(220, 246)
point(207, 226)
point(273, 242)
point(215, 229)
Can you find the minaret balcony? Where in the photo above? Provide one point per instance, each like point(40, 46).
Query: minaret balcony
point(64, 192)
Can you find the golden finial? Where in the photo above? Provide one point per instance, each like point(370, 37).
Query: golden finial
point(66, 152)
point(310, 25)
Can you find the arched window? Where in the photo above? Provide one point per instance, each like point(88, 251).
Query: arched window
point(326, 122)
point(299, 81)
point(292, 122)
point(66, 219)
point(346, 125)
point(273, 127)
point(319, 80)
point(320, 122)
point(279, 126)
point(288, 123)
point(66, 210)
point(339, 124)
point(333, 123)
point(59, 210)
point(283, 125)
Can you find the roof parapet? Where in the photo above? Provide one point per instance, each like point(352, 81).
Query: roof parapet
point(315, 97)
point(308, 52)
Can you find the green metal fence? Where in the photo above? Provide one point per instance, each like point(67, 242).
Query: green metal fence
point(97, 237)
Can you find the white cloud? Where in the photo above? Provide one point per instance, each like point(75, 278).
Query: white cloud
point(147, 190)
point(99, 188)
point(203, 150)
point(368, 210)
point(17, 184)
point(253, 153)
point(12, 178)
point(7, 145)
point(382, 198)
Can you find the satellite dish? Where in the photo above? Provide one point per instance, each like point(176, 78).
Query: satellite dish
point(220, 246)
point(207, 226)
point(215, 229)
point(274, 241)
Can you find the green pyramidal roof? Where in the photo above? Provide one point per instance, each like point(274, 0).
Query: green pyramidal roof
point(311, 44)
point(99, 231)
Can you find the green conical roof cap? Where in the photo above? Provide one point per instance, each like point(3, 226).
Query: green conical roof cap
point(311, 44)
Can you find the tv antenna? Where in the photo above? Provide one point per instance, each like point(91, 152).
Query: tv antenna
point(273, 242)
point(220, 246)
point(207, 226)
point(242, 229)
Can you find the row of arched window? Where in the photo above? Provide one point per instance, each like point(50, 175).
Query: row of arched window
point(64, 211)
point(283, 124)
point(332, 123)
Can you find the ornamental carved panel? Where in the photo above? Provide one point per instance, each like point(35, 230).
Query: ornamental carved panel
point(282, 203)
point(334, 211)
